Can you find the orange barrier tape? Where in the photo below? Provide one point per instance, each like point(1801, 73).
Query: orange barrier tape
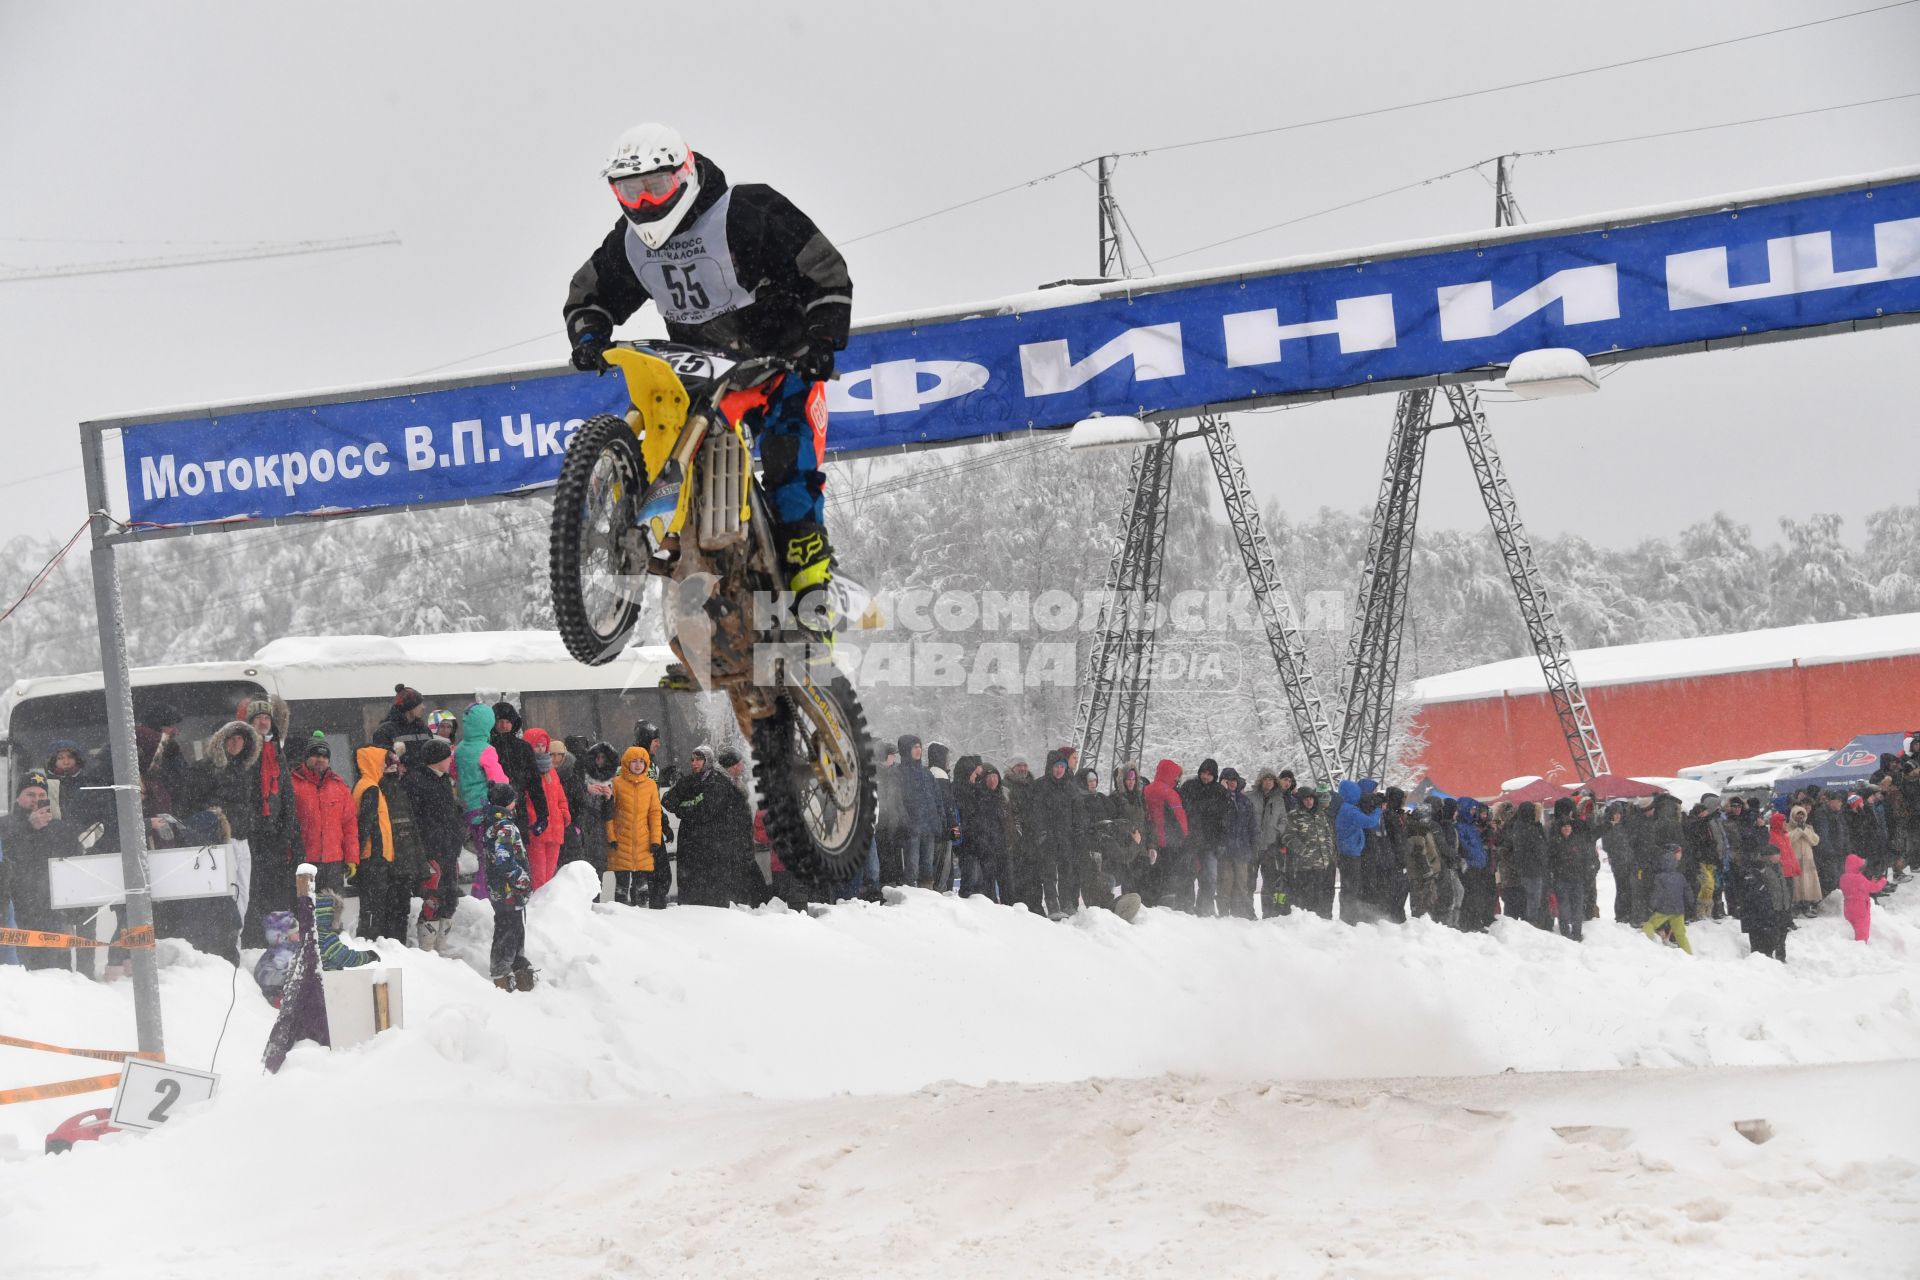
point(108, 1055)
point(138, 939)
point(35, 1092)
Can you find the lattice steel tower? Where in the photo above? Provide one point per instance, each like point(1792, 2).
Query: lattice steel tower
point(1112, 716)
point(1373, 652)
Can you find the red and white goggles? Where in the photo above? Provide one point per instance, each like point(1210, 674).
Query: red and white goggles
point(644, 190)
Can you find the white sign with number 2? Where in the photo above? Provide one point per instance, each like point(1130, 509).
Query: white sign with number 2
point(152, 1093)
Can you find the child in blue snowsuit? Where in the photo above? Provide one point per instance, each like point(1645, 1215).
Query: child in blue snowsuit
point(509, 882)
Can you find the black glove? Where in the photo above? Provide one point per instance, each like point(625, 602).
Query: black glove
point(815, 364)
point(814, 360)
point(589, 351)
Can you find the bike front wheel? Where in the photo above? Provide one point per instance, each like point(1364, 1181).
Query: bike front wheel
point(596, 557)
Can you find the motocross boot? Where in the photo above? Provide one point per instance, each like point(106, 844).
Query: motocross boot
point(809, 564)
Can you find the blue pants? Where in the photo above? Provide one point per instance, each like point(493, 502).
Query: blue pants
point(790, 450)
point(917, 858)
point(867, 873)
point(1571, 891)
point(1534, 890)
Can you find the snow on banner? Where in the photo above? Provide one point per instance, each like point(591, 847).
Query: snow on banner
point(1723, 271)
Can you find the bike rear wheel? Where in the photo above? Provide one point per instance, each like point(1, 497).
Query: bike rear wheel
point(819, 817)
point(596, 559)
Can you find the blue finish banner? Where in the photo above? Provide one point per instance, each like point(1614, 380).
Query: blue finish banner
point(1724, 271)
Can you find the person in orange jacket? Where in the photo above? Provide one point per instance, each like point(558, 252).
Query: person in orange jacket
point(543, 850)
point(636, 853)
point(329, 824)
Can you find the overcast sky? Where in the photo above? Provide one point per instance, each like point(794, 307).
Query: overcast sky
point(475, 131)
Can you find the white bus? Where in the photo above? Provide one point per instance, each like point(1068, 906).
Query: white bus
point(344, 685)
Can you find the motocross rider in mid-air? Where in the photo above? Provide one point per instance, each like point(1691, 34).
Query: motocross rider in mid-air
point(740, 270)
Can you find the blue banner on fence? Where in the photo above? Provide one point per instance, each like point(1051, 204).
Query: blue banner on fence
point(1647, 283)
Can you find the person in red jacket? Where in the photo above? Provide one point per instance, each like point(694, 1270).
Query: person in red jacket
point(1166, 825)
point(543, 850)
point(1777, 837)
point(1856, 892)
point(329, 822)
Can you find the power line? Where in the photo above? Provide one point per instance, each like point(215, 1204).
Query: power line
point(1548, 151)
point(365, 563)
point(546, 335)
point(1729, 124)
point(1523, 84)
point(991, 195)
point(38, 475)
point(140, 244)
point(45, 571)
point(1403, 106)
point(295, 249)
point(254, 542)
point(1321, 213)
point(945, 471)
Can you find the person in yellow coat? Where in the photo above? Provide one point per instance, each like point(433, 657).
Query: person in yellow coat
point(635, 852)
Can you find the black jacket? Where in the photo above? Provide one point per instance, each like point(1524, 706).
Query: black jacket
point(1523, 845)
point(271, 827)
point(438, 819)
point(799, 280)
point(1048, 815)
point(1090, 809)
point(598, 762)
point(517, 762)
point(1572, 856)
point(890, 815)
point(395, 730)
point(409, 857)
point(990, 825)
point(1206, 806)
point(714, 823)
point(1020, 798)
point(23, 873)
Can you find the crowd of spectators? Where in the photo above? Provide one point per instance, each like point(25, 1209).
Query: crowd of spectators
point(444, 805)
point(440, 806)
point(1210, 843)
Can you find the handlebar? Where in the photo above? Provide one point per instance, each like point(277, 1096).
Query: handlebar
point(741, 374)
point(748, 373)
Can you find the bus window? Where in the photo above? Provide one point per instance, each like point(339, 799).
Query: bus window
point(562, 713)
point(82, 717)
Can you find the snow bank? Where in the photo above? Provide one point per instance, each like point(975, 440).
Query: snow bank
point(688, 1080)
point(886, 999)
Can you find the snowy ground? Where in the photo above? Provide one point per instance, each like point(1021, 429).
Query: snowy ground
point(942, 1087)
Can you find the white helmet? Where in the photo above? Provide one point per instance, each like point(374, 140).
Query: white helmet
point(655, 179)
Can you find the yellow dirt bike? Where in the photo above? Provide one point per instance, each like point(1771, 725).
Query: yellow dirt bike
point(669, 492)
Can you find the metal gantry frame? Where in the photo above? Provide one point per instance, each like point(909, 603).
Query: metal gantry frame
point(1373, 654)
point(1119, 686)
point(1372, 677)
point(1284, 640)
point(1121, 665)
point(1536, 606)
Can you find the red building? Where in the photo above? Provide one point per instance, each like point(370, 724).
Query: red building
point(1669, 704)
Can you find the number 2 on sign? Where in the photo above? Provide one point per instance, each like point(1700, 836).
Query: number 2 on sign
point(169, 1091)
